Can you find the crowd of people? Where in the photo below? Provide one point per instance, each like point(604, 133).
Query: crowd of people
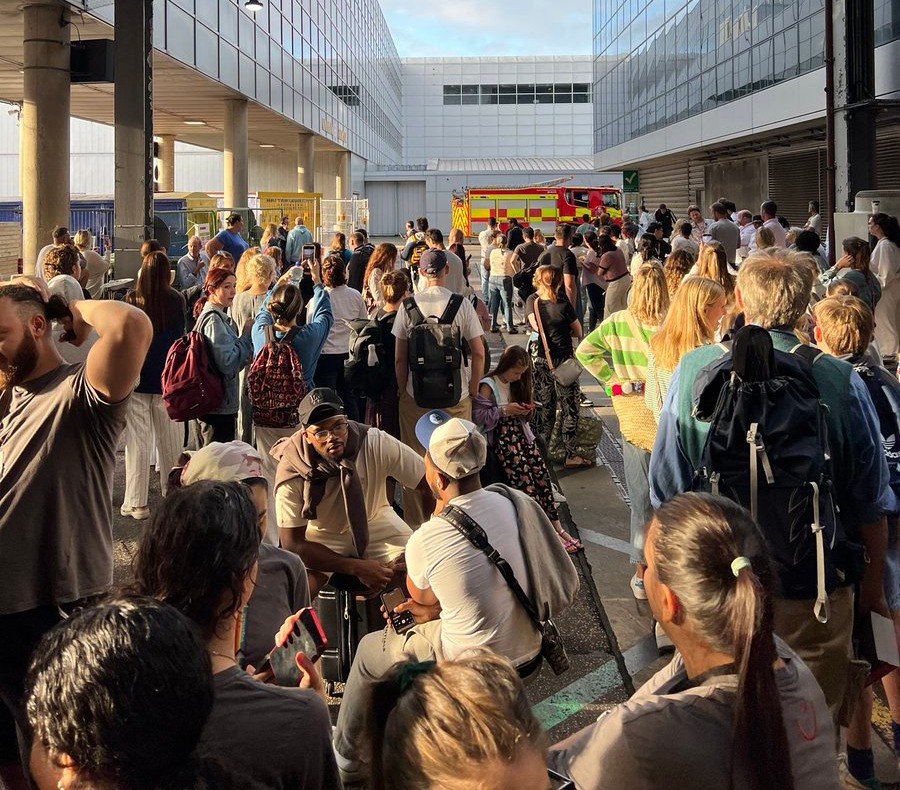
point(360, 430)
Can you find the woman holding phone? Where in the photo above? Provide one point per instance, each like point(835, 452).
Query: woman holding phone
point(200, 554)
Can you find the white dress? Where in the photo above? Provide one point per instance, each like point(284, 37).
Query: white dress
point(885, 265)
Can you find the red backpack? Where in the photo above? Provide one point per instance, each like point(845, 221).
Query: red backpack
point(275, 382)
point(191, 386)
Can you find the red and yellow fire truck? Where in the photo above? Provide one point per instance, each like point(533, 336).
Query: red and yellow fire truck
point(539, 207)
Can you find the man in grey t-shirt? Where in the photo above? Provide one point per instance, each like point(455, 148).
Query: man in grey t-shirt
point(60, 425)
point(724, 231)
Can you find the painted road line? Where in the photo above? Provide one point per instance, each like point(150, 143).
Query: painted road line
point(599, 539)
point(641, 654)
point(570, 700)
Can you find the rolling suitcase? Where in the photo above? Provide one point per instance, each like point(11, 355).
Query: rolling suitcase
point(345, 621)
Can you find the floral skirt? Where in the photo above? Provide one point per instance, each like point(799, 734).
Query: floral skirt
point(523, 464)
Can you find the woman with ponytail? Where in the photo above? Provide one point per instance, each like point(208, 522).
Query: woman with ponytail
point(735, 708)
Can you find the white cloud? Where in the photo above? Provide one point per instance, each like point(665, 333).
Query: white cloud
point(468, 28)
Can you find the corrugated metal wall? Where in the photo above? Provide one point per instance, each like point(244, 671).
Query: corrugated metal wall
point(675, 183)
point(796, 177)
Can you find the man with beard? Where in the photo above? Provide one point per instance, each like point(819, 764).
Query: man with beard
point(59, 427)
point(458, 599)
point(331, 494)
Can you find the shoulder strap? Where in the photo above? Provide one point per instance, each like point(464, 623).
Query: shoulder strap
point(451, 309)
point(472, 532)
point(540, 326)
point(489, 380)
point(413, 311)
point(810, 354)
point(270, 334)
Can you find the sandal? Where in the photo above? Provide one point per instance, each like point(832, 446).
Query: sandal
point(577, 462)
point(570, 544)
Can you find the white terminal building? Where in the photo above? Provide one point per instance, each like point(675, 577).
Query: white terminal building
point(328, 107)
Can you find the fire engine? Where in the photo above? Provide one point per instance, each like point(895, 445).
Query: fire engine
point(541, 208)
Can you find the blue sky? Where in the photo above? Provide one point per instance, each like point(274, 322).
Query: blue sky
point(486, 28)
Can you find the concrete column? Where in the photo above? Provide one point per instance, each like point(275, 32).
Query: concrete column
point(44, 126)
point(236, 154)
point(306, 163)
point(166, 162)
point(133, 132)
point(343, 186)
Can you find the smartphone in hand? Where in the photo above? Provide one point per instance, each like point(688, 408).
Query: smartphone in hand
point(402, 621)
point(306, 637)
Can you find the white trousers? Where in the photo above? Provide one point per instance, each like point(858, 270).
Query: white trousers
point(265, 438)
point(147, 422)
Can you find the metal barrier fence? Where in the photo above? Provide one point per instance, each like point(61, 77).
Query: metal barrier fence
point(344, 216)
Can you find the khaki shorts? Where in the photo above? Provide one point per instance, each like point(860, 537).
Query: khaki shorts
point(388, 535)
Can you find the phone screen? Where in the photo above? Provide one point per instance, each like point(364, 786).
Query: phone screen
point(403, 621)
point(309, 252)
point(306, 637)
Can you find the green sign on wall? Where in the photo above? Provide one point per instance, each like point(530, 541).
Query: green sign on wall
point(630, 181)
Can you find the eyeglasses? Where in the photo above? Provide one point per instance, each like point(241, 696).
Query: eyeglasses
point(338, 429)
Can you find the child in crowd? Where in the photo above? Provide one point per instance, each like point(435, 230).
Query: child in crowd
point(845, 327)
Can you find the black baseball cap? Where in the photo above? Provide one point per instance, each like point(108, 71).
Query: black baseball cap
point(320, 404)
point(432, 262)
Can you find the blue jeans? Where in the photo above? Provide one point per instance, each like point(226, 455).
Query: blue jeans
point(637, 469)
point(501, 288)
point(485, 278)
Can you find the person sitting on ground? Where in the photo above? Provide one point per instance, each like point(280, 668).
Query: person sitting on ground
point(88, 676)
point(458, 598)
point(330, 494)
point(736, 707)
point(200, 554)
point(282, 586)
point(501, 409)
point(464, 724)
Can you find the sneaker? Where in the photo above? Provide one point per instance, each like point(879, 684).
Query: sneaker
point(637, 588)
point(137, 513)
point(848, 780)
point(558, 496)
point(586, 401)
point(663, 643)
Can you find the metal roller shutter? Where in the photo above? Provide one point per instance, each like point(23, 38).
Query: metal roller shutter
point(795, 178)
point(384, 219)
point(887, 157)
point(670, 184)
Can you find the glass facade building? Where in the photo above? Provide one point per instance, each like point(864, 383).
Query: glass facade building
point(329, 65)
point(657, 62)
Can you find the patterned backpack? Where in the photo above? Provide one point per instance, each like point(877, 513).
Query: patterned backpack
point(275, 382)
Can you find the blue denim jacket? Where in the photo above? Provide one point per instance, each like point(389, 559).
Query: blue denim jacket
point(228, 350)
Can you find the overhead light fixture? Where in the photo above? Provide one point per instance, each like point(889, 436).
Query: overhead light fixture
point(253, 5)
point(266, 145)
point(195, 123)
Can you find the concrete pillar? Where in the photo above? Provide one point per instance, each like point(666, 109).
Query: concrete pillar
point(306, 163)
point(166, 162)
point(44, 126)
point(236, 154)
point(133, 132)
point(343, 186)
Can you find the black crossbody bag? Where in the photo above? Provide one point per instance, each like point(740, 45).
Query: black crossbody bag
point(552, 647)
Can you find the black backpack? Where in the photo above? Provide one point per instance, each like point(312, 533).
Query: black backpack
point(368, 370)
point(884, 391)
point(435, 355)
point(767, 450)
